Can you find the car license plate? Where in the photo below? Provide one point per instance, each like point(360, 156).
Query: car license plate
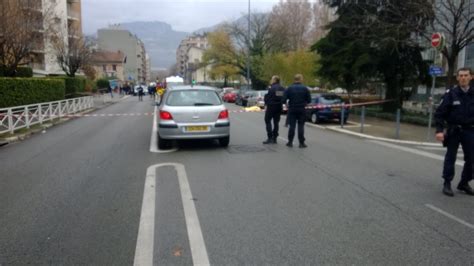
point(336, 109)
point(197, 129)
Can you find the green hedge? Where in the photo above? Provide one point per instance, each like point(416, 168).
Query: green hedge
point(74, 85)
point(23, 91)
point(24, 72)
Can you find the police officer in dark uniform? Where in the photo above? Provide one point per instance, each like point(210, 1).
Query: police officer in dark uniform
point(273, 102)
point(457, 110)
point(298, 96)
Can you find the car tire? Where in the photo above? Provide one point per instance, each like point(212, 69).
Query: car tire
point(224, 142)
point(163, 144)
point(315, 118)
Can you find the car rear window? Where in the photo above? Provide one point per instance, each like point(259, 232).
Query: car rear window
point(329, 99)
point(193, 98)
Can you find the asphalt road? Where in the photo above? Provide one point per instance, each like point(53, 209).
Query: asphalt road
point(77, 195)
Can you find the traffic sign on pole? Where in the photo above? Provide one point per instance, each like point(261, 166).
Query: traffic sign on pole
point(437, 40)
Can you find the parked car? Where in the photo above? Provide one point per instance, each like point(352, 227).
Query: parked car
point(192, 113)
point(322, 111)
point(229, 97)
point(242, 97)
point(257, 99)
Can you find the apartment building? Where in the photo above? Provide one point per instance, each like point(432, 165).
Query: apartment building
point(116, 38)
point(109, 64)
point(65, 16)
point(198, 41)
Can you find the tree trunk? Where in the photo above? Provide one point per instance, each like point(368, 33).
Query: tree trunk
point(450, 81)
point(225, 81)
point(393, 94)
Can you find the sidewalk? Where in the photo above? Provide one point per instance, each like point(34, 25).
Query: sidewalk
point(376, 128)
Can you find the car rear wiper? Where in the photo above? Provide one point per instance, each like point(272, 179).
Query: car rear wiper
point(203, 104)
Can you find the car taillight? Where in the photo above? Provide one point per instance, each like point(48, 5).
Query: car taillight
point(165, 115)
point(223, 114)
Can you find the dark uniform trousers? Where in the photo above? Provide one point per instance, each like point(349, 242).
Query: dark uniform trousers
point(465, 137)
point(273, 113)
point(296, 116)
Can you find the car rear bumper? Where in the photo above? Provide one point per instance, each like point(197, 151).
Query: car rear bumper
point(177, 131)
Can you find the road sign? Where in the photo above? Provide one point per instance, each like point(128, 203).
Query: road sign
point(438, 40)
point(436, 71)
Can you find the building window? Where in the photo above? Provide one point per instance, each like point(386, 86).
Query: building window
point(104, 68)
point(114, 67)
point(470, 56)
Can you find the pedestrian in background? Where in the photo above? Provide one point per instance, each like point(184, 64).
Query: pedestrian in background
point(140, 93)
point(298, 96)
point(457, 110)
point(109, 89)
point(273, 102)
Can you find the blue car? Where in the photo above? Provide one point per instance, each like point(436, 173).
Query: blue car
point(324, 107)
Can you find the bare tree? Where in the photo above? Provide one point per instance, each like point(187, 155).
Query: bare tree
point(22, 29)
point(323, 15)
point(290, 24)
point(73, 51)
point(454, 18)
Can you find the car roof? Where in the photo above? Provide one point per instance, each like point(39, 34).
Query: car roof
point(189, 87)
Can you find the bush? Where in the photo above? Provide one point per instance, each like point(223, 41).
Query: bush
point(74, 86)
point(25, 72)
point(24, 91)
point(102, 84)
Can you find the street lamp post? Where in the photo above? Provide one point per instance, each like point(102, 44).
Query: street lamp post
point(248, 49)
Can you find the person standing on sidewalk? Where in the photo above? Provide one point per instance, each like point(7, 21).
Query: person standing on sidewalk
point(273, 102)
point(457, 110)
point(298, 96)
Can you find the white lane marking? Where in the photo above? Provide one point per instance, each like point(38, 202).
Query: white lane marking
point(154, 137)
point(414, 151)
point(443, 149)
point(459, 220)
point(146, 232)
point(196, 240)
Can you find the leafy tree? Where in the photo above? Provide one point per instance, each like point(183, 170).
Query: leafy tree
point(376, 39)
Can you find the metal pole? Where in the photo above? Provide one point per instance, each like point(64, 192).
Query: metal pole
point(10, 121)
point(248, 50)
point(362, 120)
point(342, 115)
point(397, 133)
point(430, 105)
point(27, 117)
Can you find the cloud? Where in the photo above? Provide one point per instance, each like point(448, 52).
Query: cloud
point(183, 15)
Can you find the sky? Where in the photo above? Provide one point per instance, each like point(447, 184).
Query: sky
point(182, 15)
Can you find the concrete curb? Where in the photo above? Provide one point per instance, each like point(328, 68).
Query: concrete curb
point(365, 136)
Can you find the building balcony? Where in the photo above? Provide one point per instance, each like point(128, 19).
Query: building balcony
point(73, 15)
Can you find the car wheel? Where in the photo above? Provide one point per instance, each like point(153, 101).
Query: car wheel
point(163, 143)
point(224, 142)
point(315, 118)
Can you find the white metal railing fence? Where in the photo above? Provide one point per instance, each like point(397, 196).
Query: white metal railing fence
point(17, 117)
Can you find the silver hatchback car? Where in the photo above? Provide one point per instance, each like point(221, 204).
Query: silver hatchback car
point(192, 113)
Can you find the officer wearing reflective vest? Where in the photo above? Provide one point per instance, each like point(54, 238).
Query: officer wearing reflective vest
point(455, 126)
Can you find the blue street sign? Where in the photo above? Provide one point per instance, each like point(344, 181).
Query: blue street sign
point(436, 71)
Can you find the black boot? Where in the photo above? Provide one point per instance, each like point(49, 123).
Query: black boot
point(289, 144)
point(447, 189)
point(268, 141)
point(302, 145)
point(274, 141)
point(464, 186)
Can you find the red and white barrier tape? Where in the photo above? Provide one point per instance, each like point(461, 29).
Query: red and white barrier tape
point(318, 106)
